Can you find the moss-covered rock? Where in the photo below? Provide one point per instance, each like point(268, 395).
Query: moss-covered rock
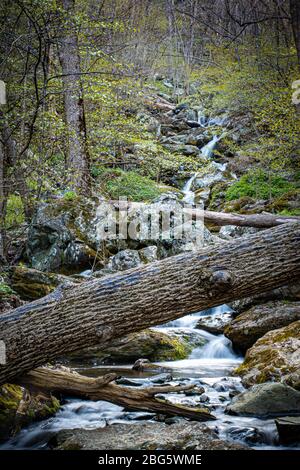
point(149, 344)
point(19, 407)
point(288, 203)
point(32, 284)
point(254, 323)
point(274, 357)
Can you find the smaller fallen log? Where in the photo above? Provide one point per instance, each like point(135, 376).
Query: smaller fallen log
point(68, 382)
point(263, 220)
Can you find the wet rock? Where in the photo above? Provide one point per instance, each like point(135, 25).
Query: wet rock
point(125, 259)
point(32, 284)
point(227, 384)
point(274, 357)
point(195, 391)
point(19, 407)
point(249, 435)
point(288, 429)
point(251, 325)
point(266, 401)
point(146, 436)
point(144, 364)
point(214, 324)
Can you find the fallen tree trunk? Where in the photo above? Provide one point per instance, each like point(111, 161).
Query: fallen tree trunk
point(100, 310)
point(264, 220)
point(249, 220)
point(71, 383)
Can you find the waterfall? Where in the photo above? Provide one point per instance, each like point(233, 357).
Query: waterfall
point(189, 195)
point(201, 119)
point(207, 150)
point(218, 347)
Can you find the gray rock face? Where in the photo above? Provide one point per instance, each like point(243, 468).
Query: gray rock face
point(266, 401)
point(233, 231)
point(181, 148)
point(145, 436)
point(274, 357)
point(251, 325)
point(148, 254)
point(214, 324)
point(125, 259)
point(62, 236)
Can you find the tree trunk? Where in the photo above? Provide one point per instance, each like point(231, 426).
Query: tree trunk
point(251, 220)
point(295, 18)
point(100, 310)
point(78, 159)
point(70, 383)
point(223, 218)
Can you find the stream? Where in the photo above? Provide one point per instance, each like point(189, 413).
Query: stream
point(209, 366)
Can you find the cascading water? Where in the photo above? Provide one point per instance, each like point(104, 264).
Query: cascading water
point(208, 149)
point(189, 195)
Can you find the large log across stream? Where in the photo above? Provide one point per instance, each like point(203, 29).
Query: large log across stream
point(100, 310)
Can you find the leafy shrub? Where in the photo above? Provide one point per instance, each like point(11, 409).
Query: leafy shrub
point(14, 211)
point(260, 185)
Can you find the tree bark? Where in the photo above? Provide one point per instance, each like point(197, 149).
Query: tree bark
point(78, 158)
point(100, 310)
point(71, 383)
point(295, 18)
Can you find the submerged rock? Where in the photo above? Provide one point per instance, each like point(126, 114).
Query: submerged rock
point(19, 407)
point(274, 357)
point(266, 401)
point(251, 325)
point(147, 436)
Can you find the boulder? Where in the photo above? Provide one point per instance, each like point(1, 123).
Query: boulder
point(145, 436)
point(274, 357)
point(19, 407)
point(288, 429)
point(63, 236)
point(251, 325)
point(234, 231)
point(266, 401)
point(150, 344)
point(125, 259)
point(289, 292)
point(148, 254)
point(214, 324)
point(32, 284)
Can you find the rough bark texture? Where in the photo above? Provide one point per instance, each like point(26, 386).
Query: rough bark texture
point(102, 309)
point(102, 388)
point(78, 160)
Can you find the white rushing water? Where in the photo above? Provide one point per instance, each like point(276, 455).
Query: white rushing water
point(208, 149)
point(189, 195)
